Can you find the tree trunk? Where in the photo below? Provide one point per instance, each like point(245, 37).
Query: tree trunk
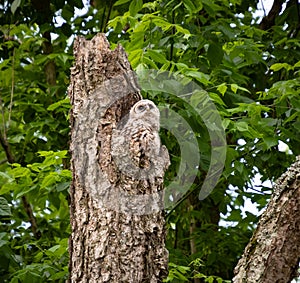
point(117, 235)
point(273, 252)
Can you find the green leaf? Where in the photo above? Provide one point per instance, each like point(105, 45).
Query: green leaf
point(270, 142)
point(121, 2)
point(292, 117)
point(15, 5)
point(278, 66)
point(3, 239)
point(38, 256)
point(235, 215)
point(25, 190)
point(63, 186)
point(20, 172)
point(241, 126)
point(135, 6)
point(50, 180)
point(216, 98)
point(182, 30)
point(67, 12)
point(54, 248)
point(210, 279)
point(297, 65)
point(65, 103)
point(149, 62)
point(157, 57)
point(226, 123)
point(215, 54)
point(16, 138)
point(234, 87)
point(66, 29)
point(189, 5)
point(199, 76)
point(64, 58)
point(222, 88)
point(78, 4)
point(4, 207)
point(6, 176)
point(199, 96)
point(8, 187)
point(59, 275)
point(135, 57)
point(161, 22)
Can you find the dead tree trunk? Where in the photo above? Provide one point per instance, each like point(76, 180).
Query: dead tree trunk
point(118, 232)
point(273, 252)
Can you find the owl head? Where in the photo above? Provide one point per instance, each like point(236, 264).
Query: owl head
point(146, 111)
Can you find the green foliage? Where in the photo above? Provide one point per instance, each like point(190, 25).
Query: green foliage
point(35, 255)
point(34, 175)
point(251, 75)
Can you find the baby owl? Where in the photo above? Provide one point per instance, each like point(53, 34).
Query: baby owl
point(136, 148)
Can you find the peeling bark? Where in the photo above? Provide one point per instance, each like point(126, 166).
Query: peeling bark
point(273, 252)
point(113, 239)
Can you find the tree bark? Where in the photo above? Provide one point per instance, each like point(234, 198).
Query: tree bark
point(117, 235)
point(273, 253)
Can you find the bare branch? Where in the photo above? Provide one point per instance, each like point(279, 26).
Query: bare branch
point(269, 20)
point(32, 219)
point(12, 85)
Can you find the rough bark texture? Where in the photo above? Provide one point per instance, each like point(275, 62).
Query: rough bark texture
point(112, 240)
point(273, 252)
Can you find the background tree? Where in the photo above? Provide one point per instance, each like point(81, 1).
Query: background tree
point(248, 64)
point(272, 254)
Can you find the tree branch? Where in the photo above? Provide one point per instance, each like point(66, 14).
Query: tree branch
point(6, 147)
point(32, 219)
point(108, 15)
point(12, 85)
point(296, 31)
point(269, 20)
point(50, 67)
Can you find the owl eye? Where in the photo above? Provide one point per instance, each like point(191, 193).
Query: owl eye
point(151, 106)
point(141, 107)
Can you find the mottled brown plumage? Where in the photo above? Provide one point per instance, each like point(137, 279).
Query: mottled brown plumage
point(136, 147)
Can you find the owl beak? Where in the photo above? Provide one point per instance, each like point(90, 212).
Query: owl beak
point(149, 107)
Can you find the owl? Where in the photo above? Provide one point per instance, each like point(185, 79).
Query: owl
point(136, 148)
